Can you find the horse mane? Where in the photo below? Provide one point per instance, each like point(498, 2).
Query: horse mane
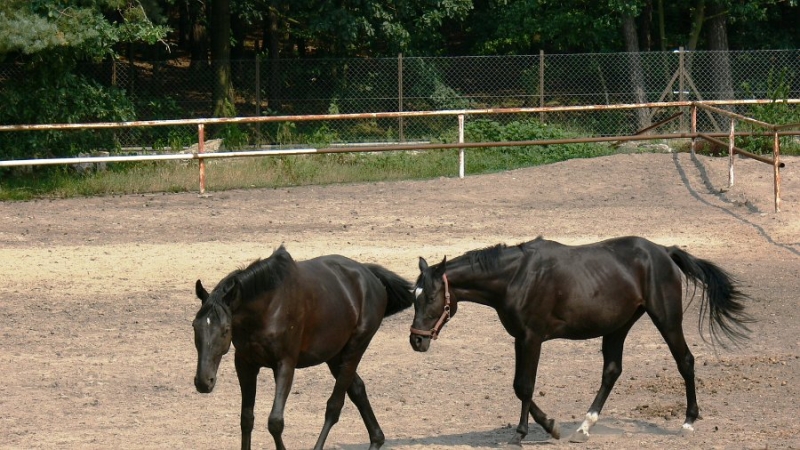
point(259, 276)
point(488, 259)
point(264, 274)
point(485, 259)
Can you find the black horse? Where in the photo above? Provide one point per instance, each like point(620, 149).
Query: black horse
point(544, 290)
point(284, 315)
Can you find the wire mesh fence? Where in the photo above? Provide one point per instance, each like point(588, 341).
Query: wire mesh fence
point(177, 89)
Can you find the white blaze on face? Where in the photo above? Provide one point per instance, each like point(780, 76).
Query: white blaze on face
point(417, 292)
point(208, 320)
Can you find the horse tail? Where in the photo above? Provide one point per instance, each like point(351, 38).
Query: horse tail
point(399, 291)
point(721, 299)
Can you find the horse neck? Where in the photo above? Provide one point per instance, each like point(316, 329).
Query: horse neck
point(476, 286)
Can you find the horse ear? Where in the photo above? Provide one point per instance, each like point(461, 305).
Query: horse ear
point(423, 265)
point(200, 291)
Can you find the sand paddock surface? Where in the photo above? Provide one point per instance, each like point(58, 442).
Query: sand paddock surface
point(98, 298)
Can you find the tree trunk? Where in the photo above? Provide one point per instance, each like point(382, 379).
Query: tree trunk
point(635, 64)
point(698, 17)
point(273, 44)
point(221, 58)
point(717, 35)
point(645, 27)
point(198, 35)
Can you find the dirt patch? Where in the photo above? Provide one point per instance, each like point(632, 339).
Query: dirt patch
point(98, 301)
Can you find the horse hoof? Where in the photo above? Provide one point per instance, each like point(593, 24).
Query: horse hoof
point(515, 442)
point(555, 430)
point(579, 437)
point(687, 430)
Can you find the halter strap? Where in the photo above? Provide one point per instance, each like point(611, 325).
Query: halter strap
point(433, 333)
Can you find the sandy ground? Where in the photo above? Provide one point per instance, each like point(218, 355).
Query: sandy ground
point(97, 303)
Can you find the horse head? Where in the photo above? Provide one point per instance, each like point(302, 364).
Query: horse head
point(212, 330)
point(432, 305)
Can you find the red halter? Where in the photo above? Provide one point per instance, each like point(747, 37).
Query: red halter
point(434, 332)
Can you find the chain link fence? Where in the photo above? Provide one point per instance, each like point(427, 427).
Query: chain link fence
point(176, 89)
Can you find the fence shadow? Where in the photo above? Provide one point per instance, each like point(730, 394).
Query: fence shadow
point(724, 198)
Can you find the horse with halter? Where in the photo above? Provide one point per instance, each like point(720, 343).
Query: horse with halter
point(544, 290)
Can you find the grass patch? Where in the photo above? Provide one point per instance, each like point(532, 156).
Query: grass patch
point(280, 171)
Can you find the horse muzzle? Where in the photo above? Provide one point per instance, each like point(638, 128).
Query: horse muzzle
point(420, 343)
point(204, 385)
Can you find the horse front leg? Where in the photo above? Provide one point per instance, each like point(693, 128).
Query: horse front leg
point(284, 375)
point(247, 375)
point(527, 360)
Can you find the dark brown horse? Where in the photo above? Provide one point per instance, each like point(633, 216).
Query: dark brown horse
point(544, 290)
point(284, 315)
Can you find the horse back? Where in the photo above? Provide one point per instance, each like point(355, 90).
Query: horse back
point(325, 304)
point(586, 291)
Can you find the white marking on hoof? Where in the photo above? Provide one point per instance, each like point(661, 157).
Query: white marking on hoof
point(582, 433)
point(687, 427)
point(579, 436)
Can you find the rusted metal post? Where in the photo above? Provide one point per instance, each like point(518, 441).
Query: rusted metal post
point(258, 99)
point(776, 167)
point(401, 133)
point(541, 84)
point(201, 148)
point(731, 153)
point(461, 150)
point(681, 75)
point(693, 146)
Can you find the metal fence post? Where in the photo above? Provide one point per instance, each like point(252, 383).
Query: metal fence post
point(460, 150)
point(400, 124)
point(541, 84)
point(201, 148)
point(258, 98)
point(693, 146)
point(680, 81)
point(731, 153)
point(776, 169)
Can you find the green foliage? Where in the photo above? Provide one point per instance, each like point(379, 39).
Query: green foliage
point(234, 137)
point(72, 99)
point(430, 92)
point(70, 30)
point(777, 112)
point(503, 158)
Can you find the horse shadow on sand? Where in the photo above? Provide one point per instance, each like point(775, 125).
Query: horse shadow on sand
point(607, 428)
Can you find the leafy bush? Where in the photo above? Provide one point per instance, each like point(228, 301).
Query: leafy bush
point(501, 158)
point(777, 112)
point(70, 99)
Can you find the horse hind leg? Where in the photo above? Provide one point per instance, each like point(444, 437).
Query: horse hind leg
point(685, 361)
point(612, 368)
point(343, 369)
point(358, 395)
